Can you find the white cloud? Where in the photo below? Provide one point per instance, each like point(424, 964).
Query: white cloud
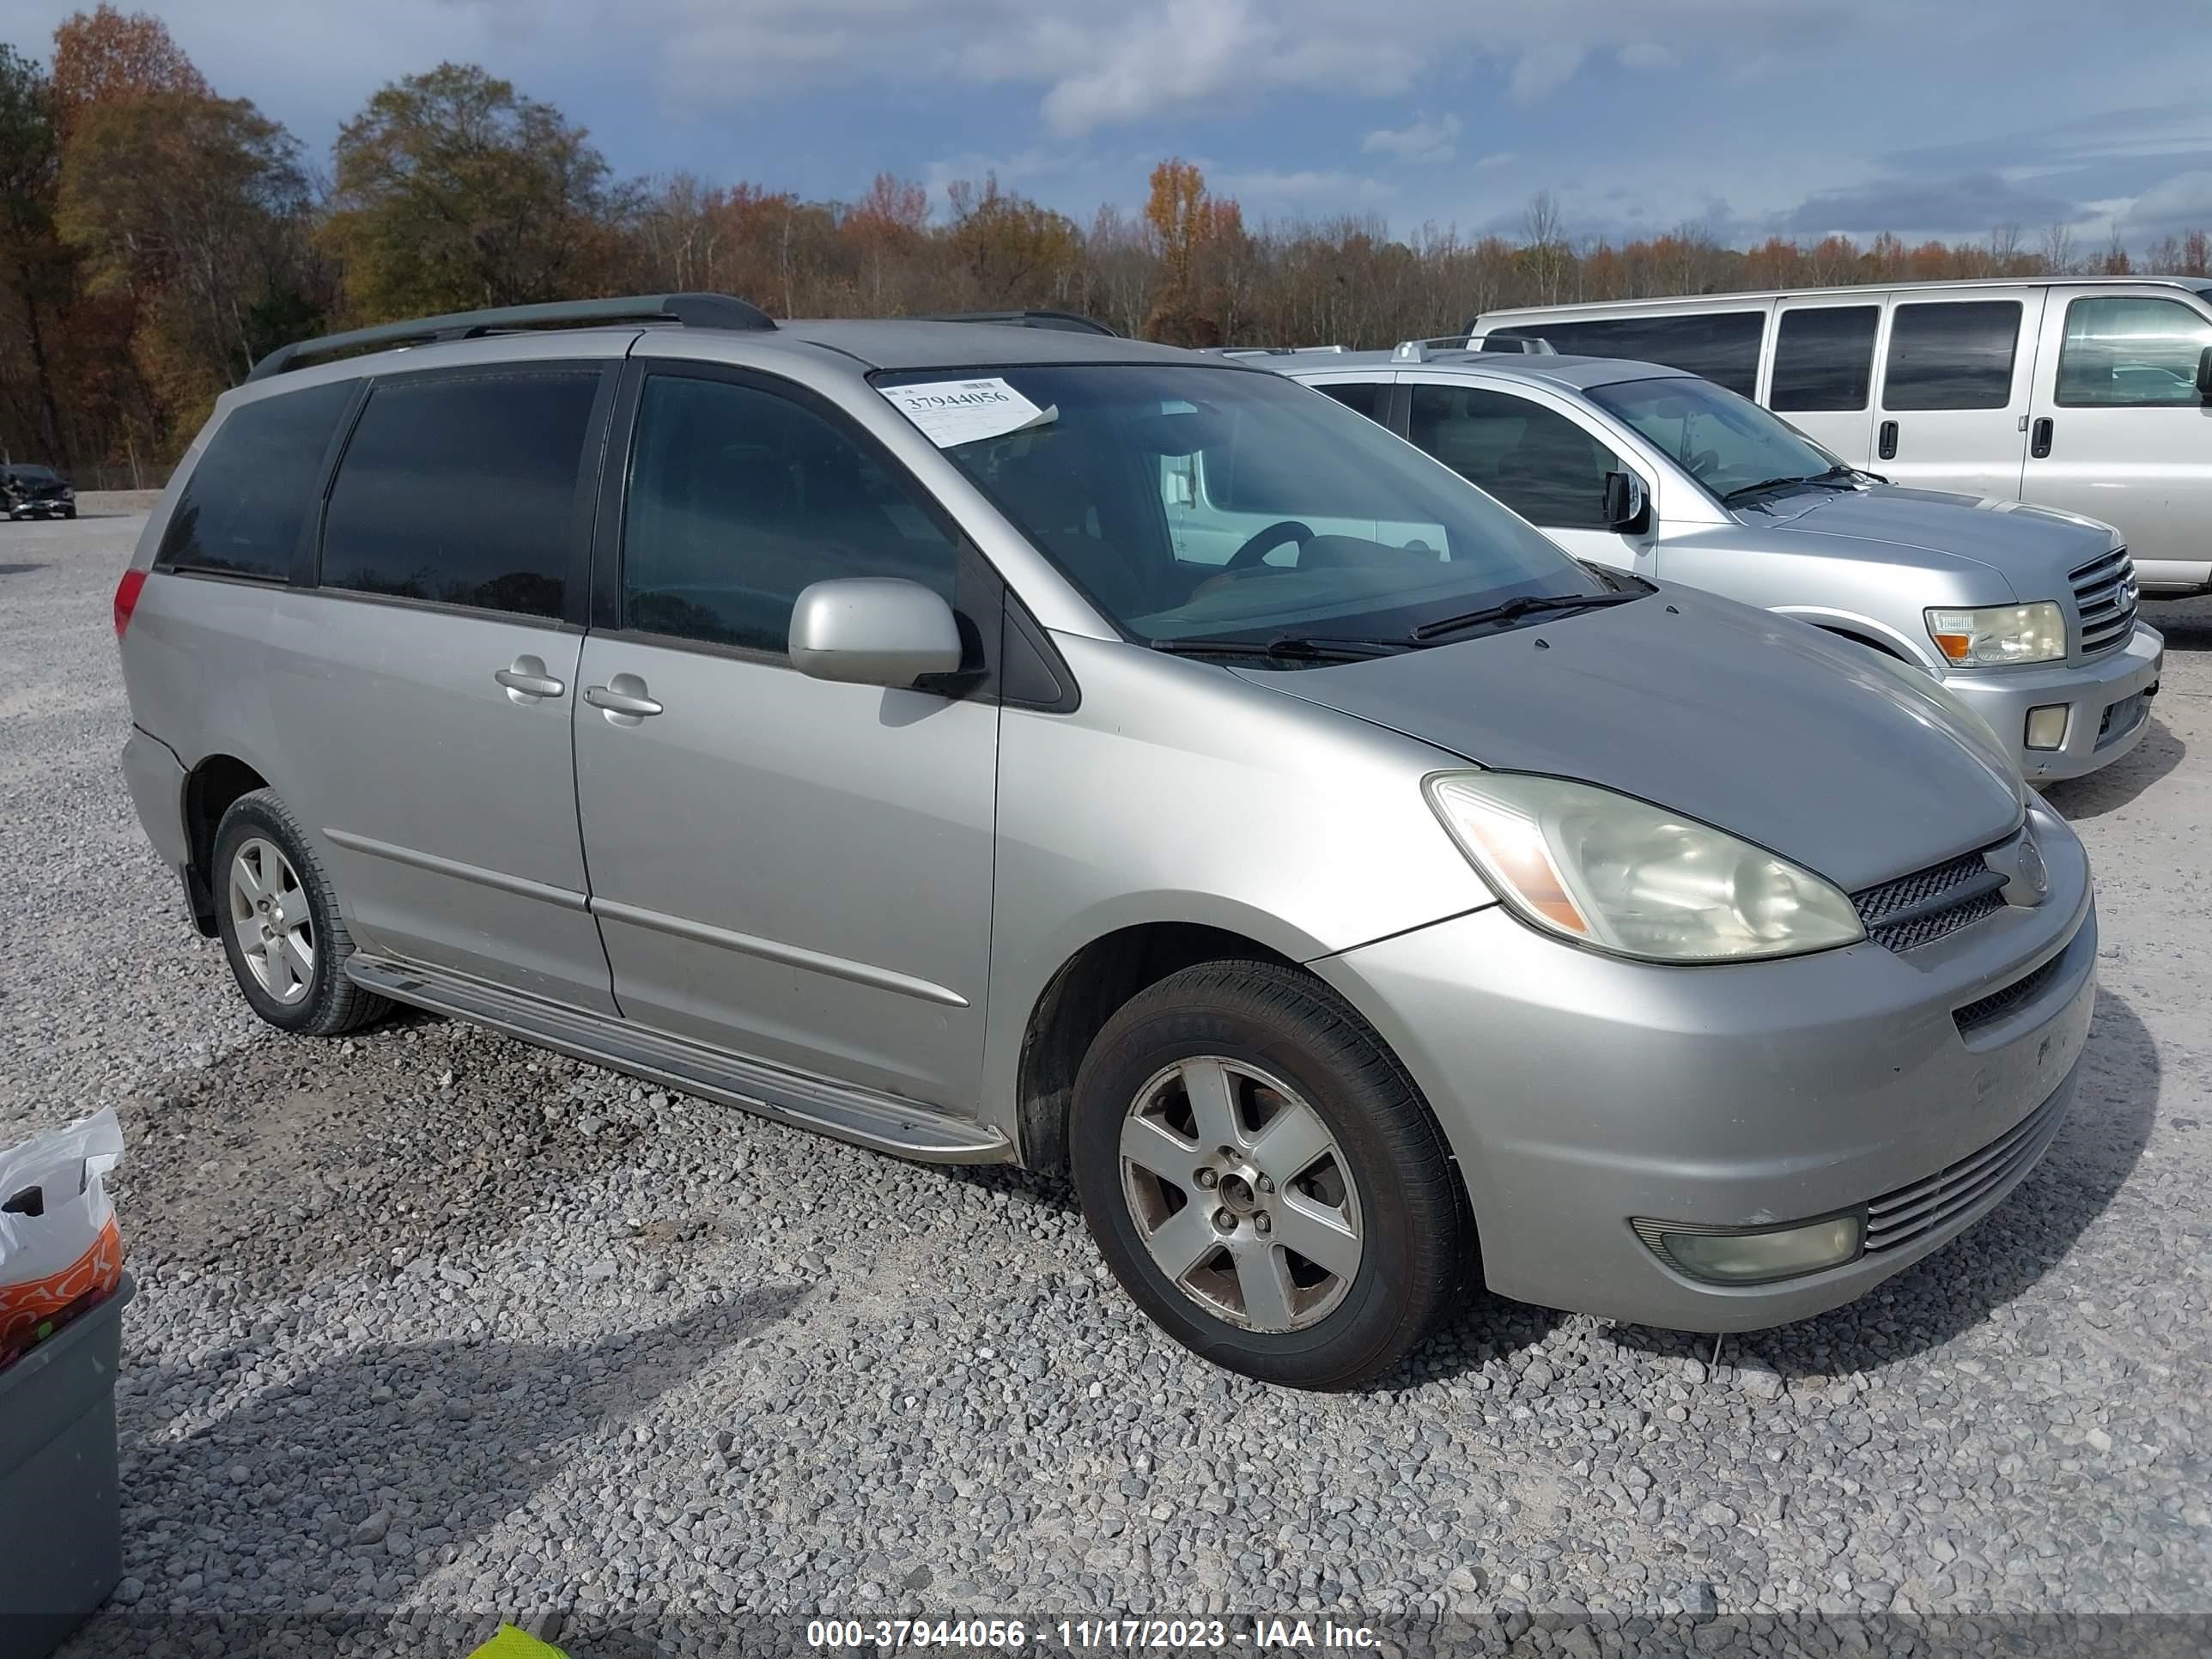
point(1425, 140)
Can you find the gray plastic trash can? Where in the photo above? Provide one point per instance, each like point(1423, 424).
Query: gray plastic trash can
point(61, 1516)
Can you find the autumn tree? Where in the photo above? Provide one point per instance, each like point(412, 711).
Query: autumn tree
point(33, 273)
point(103, 56)
point(886, 228)
point(196, 208)
point(1007, 250)
point(453, 191)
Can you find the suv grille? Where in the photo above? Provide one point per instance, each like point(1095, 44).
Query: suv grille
point(1921, 908)
point(2104, 594)
point(1899, 1218)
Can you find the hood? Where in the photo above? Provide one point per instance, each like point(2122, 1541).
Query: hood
point(2033, 547)
point(1807, 745)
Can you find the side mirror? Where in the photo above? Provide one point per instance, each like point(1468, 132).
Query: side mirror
point(1625, 504)
point(874, 630)
point(2204, 374)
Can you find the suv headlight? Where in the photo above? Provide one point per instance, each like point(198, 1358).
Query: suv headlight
point(1621, 875)
point(1996, 634)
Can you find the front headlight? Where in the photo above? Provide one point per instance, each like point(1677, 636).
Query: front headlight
point(1998, 634)
point(1619, 875)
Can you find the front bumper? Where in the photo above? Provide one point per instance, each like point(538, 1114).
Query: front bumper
point(43, 508)
point(2119, 683)
point(1579, 1091)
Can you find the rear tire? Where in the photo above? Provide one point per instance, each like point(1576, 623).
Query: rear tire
point(1230, 1115)
point(278, 916)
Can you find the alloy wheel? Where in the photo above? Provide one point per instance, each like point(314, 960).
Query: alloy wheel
point(272, 920)
point(1240, 1193)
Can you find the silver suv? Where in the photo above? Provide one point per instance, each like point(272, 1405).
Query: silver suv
point(855, 722)
point(2026, 613)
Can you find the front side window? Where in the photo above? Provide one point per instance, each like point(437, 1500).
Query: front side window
point(244, 505)
point(463, 491)
point(1953, 355)
point(1728, 444)
point(1535, 460)
point(1722, 346)
point(1824, 358)
point(741, 499)
point(2132, 352)
point(1196, 501)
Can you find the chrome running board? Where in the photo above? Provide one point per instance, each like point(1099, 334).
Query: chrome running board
point(866, 1117)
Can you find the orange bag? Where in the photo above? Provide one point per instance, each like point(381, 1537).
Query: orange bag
point(60, 1251)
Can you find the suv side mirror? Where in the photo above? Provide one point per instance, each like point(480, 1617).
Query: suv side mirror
point(874, 630)
point(1626, 506)
point(2204, 374)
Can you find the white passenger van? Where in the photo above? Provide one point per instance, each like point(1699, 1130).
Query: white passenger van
point(2092, 394)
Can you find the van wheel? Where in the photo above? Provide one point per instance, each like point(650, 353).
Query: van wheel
point(1263, 1178)
point(280, 923)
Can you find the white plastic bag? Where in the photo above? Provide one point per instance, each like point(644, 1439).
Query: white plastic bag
point(60, 1250)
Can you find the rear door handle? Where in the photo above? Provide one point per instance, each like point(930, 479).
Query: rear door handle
point(2039, 438)
point(1888, 447)
point(525, 678)
point(622, 697)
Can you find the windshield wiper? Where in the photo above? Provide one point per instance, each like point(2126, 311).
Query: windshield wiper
point(1526, 604)
point(1285, 648)
point(1836, 478)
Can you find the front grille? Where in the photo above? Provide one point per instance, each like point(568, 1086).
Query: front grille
point(1988, 1009)
point(1895, 1220)
point(1921, 908)
point(2105, 595)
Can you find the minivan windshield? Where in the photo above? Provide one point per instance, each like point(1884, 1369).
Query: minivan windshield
point(1196, 503)
point(1728, 444)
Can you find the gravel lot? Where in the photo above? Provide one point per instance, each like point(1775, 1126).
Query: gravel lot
point(435, 1326)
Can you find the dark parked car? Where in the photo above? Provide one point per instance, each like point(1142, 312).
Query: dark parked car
point(36, 492)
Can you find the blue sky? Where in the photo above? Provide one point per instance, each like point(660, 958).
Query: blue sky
point(1944, 118)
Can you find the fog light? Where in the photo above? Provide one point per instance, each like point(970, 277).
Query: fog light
point(2046, 727)
point(1739, 1255)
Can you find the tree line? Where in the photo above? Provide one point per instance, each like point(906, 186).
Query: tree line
point(157, 238)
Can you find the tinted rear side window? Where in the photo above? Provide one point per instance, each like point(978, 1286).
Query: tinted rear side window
point(463, 491)
point(1720, 345)
point(1365, 396)
point(1953, 356)
point(1824, 357)
point(243, 506)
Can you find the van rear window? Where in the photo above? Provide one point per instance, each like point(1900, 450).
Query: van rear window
point(1824, 357)
point(1722, 346)
point(1954, 355)
point(245, 504)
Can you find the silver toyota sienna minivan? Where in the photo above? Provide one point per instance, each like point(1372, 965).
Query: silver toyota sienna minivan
point(818, 718)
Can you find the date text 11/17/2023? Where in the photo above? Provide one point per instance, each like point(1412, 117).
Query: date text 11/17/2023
point(1291, 1635)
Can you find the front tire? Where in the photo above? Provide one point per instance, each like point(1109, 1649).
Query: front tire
point(1263, 1178)
point(278, 919)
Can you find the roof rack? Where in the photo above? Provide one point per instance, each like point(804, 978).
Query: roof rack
point(690, 310)
point(1420, 351)
point(1071, 321)
point(1268, 351)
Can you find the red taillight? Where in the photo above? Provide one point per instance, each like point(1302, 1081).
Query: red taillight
point(126, 598)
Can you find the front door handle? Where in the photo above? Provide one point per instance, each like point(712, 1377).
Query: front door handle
point(525, 678)
point(1888, 447)
point(2039, 438)
point(623, 698)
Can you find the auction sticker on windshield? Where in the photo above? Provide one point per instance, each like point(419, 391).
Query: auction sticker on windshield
point(950, 412)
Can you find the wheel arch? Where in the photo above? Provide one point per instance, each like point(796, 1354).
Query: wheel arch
point(209, 789)
point(1081, 996)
